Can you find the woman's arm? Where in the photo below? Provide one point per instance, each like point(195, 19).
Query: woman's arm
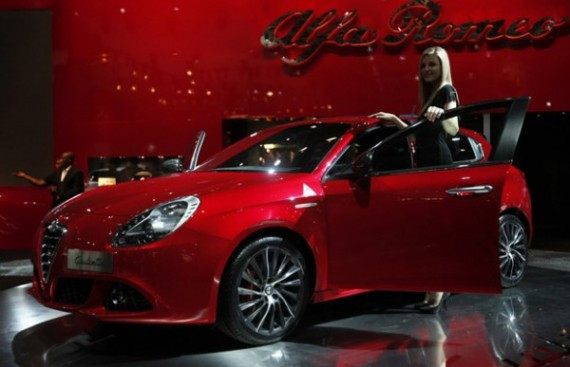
point(450, 125)
point(390, 117)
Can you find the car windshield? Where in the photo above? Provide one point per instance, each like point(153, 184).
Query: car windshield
point(297, 149)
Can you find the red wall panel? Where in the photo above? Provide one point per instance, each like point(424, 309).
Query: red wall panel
point(140, 77)
point(21, 210)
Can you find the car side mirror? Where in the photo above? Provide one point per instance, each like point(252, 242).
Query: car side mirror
point(362, 165)
point(173, 165)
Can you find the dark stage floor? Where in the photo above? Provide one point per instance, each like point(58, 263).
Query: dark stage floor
point(525, 326)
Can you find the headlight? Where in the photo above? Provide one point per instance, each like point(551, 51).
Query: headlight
point(156, 223)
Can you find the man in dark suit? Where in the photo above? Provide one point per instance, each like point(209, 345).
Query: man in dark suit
point(66, 181)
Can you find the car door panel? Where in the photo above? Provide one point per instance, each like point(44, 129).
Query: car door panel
point(405, 231)
point(431, 229)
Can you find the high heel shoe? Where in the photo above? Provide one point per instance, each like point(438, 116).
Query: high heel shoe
point(434, 309)
point(418, 305)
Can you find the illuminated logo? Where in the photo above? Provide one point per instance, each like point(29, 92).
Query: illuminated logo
point(419, 21)
point(301, 34)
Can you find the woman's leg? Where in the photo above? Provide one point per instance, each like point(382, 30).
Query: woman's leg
point(433, 298)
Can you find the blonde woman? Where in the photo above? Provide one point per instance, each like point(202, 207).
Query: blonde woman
point(436, 94)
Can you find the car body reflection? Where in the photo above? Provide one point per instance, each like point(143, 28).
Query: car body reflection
point(475, 330)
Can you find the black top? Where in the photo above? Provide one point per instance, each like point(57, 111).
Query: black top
point(444, 95)
point(431, 145)
point(71, 185)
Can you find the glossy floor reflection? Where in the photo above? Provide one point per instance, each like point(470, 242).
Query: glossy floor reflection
point(526, 326)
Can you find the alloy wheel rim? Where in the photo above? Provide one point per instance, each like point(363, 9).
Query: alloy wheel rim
point(509, 327)
point(512, 249)
point(270, 290)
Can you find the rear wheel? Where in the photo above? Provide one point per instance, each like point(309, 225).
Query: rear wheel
point(513, 250)
point(264, 292)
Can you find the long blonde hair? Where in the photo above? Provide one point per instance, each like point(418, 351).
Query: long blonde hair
point(427, 91)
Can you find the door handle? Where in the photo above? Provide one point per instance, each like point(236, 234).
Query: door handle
point(470, 191)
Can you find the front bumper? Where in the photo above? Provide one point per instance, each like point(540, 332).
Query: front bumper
point(174, 280)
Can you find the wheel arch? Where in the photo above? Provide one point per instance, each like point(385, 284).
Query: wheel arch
point(516, 200)
point(226, 318)
point(520, 215)
point(286, 233)
point(513, 259)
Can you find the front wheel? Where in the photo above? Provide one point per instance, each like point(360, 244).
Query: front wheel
point(513, 250)
point(264, 292)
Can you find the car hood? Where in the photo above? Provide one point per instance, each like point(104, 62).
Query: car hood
point(134, 197)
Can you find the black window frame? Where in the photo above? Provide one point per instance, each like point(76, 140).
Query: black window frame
point(515, 111)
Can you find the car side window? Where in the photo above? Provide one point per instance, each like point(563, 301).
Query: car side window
point(465, 149)
point(363, 142)
point(394, 155)
point(435, 148)
point(296, 149)
point(431, 146)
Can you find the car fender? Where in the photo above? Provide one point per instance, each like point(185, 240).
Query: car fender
point(241, 226)
point(516, 196)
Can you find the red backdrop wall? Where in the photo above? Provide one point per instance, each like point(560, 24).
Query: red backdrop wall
point(141, 77)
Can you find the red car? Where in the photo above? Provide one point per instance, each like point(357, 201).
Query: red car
point(303, 212)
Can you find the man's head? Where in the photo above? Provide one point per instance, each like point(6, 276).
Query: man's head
point(65, 160)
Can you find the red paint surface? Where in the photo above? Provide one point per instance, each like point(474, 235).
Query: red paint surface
point(411, 219)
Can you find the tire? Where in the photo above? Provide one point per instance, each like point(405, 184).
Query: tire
point(264, 292)
point(513, 250)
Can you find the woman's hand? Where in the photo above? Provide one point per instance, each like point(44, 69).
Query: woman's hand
point(433, 113)
point(390, 117)
point(385, 116)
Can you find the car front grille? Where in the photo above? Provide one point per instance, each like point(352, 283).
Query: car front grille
point(53, 233)
point(74, 291)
